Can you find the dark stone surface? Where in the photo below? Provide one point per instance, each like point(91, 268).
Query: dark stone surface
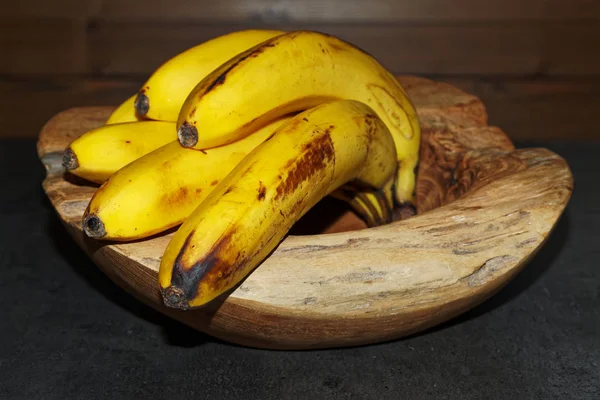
point(67, 332)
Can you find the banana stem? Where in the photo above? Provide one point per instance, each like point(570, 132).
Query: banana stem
point(187, 135)
point(142, 104)
point(93, 226)
point(69, 159)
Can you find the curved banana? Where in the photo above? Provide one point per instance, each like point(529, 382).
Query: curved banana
point(375, 207)
point(252, 209)
point(159, 190)
point(163, 94)
point(98, 153)
point(125, 112)
point(294, 72)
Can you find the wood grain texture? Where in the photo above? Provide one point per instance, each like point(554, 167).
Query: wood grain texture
point(531, 48)
point(116, 47)
point(26, 105)
point(540, 109)
point(32, 46)
point(302, 10)
point(485, 209)
point(535, 64)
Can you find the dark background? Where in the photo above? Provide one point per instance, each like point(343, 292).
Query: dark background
point(535, 63)
point(67, 332)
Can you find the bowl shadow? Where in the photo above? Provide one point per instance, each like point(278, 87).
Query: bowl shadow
point(175, 333)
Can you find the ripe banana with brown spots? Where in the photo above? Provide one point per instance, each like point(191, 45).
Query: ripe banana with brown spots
point(252, 209)
point(293, 72)
point(159, 190)
point(163, 94)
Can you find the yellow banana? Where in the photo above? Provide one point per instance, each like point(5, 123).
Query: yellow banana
point(98, 153)
point(159, 190)
point(162, 95)
point(244, 218)
point(293, 72)
point(375, 207)
point(124, 113)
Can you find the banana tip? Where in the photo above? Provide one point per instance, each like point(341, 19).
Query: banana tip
point(93, 226)
point(142, 104)
point(174, 297)
point(187, 135)
point(69, 159)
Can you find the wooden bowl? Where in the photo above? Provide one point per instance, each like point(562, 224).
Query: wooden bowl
point(484, 209)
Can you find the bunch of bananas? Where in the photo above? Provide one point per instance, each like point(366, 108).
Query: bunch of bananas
point(234, 140)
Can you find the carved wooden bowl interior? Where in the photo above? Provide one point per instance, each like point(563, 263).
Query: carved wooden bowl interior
point(484, 209)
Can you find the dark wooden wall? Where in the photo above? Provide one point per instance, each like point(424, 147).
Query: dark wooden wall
point(535, 63)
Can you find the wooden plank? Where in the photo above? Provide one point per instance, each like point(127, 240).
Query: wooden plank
point(306, 10)
point(538, 108)
point(59, 46)
point(524, 108)
point(283, 11)
point(117, 48)
point(26, 105)
point(42, 46)
point(123, 48)
point(568, 49)
point(69, 9)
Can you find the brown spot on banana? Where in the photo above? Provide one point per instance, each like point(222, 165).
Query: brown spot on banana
point(338, 44)
point(185, 278)
point(313, 157)
point(249, 169)
point(262, 191)
point(337, 47)
point(370, 121)
point(211, 81)
point(216, 82)
point(173, 199)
